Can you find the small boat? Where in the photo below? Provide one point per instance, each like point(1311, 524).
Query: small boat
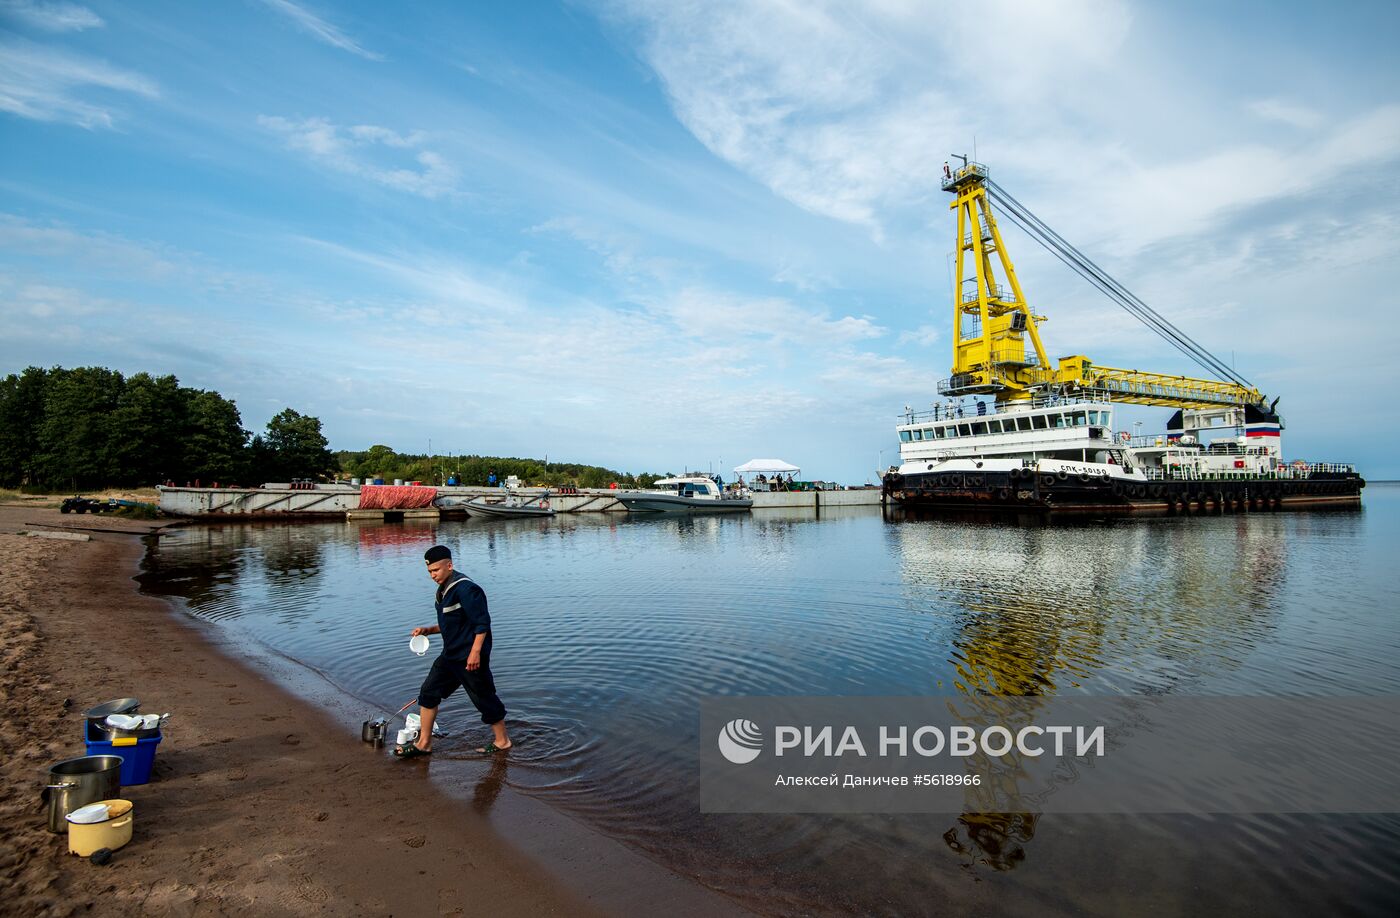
point(687, 493)
point(510, 506)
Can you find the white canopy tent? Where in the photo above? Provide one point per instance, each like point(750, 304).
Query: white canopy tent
point(766, 467)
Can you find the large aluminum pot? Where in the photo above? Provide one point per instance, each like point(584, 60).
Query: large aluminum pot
point(97, 716)
point(78, 782)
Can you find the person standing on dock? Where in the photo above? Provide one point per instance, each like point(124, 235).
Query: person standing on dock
point(465, 626)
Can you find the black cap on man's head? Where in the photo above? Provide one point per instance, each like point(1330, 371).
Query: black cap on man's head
point(437, 553)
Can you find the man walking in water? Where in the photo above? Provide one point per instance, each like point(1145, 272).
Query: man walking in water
point(465, 660)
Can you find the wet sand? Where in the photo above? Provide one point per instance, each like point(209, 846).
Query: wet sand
point(259, 804)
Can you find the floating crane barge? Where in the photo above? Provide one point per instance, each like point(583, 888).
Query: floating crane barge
point(1014, 432)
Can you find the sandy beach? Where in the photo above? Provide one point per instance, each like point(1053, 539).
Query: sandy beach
point(259, 804)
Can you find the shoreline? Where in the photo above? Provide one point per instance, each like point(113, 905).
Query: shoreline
point(260, 803)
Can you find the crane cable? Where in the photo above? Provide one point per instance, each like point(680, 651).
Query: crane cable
point(1203, 359)
point(1082, 265)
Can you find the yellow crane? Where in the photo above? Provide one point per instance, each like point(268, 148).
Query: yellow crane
point(996, 337)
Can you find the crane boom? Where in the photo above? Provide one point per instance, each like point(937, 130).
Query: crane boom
point(996, 338)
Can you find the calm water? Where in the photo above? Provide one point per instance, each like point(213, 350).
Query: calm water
point(609, 629)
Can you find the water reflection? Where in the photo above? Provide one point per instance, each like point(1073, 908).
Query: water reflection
point(1043, 610)
point(490, 784)
point(377, 538)
point(995, 840)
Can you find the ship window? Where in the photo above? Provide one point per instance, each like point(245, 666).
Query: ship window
point(994, 426)
point(979, 428)
point(905, 436)
point(918, 434)
point(928, 433)
point(951, 431)
point(1023, 423)
point(938, 433)
point(1078, 419)
point(1040, 422)
point(1057, 420)
point(964, 430)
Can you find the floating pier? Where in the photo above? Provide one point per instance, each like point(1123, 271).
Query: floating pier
point(394, 516)
point(342, 501)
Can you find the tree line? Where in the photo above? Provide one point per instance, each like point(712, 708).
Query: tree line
point(91, 427)
point(380, 461)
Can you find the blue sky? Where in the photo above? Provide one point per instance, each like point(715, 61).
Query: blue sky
point(651, 235)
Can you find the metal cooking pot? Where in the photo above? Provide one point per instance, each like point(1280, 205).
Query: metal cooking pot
point(78, 782)
point(98, 716)
point(373, 731)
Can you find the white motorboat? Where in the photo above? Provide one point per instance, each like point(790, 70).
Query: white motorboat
point(509, 506)
point(686, 493)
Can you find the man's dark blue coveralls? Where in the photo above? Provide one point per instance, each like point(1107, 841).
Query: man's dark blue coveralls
point(461, 616)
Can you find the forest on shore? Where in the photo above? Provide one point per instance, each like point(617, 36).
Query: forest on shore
point(88, 428)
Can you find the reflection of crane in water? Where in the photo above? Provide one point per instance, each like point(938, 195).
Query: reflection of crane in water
point(1043, 610)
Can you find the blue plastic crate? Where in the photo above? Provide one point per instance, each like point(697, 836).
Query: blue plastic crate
point(138, 755)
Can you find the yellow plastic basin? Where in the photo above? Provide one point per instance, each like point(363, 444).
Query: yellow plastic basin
point(112, 833)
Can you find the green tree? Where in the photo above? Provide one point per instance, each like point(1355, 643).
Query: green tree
point(145, 430)
point(295, 448)
point(379, 461)
point(21, 413)
point(75, 435)
point(215, 443)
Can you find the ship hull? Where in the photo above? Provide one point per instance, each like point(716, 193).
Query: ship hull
point(1031, 493)
point(643, 502)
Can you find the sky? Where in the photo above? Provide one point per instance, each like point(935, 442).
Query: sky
point(666, 235)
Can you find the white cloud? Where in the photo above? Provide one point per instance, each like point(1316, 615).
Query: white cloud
point(45, 84)
point(450, 287)
point(52, 17)
point(805, 278)
point(45, 302)
point(1136, 204)
point(849, 111)
point(622, 254)
point(863, 370)
point(702, 313)
point(356, 150)
point(319, 29)
point(93, 250)
point(1286, 112)
point(923, 336)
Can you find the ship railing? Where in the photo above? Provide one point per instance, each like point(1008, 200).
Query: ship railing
point(994, 292)
point(964, 173)
point(1160, 441)
point(1053, 401)
point(944, 413)
point(1304, 469)
point(1185, 474)
point(1292, 471)
point(1148, 442)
